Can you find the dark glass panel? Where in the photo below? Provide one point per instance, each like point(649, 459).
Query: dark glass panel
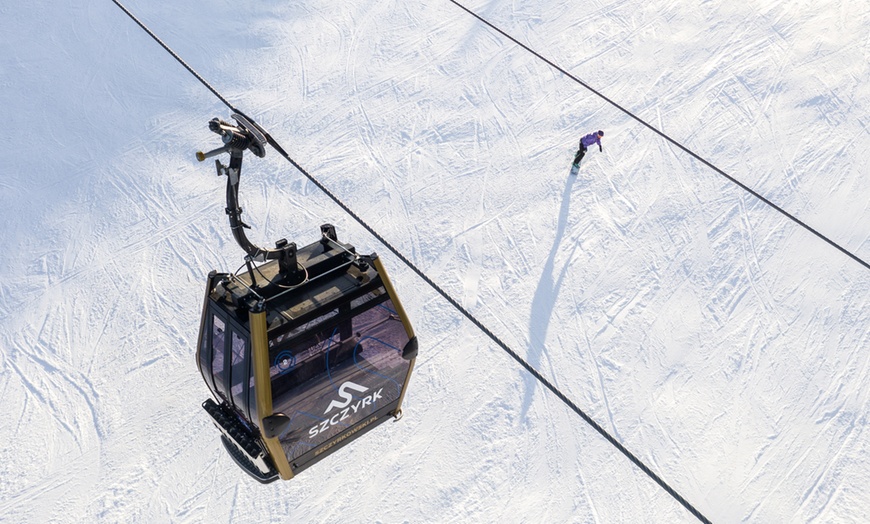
point(337, 376)
point(205, 354)
point(239, 366)
point(218, 335)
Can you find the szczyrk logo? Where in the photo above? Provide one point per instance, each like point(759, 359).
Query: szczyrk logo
point(347, 397)
point(346, 408)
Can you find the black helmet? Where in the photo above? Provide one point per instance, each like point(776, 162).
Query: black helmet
point(600, 133)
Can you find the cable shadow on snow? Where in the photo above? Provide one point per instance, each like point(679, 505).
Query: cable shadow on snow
point(545, 298)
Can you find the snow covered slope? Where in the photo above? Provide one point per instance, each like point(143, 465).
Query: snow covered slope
point(724, 345)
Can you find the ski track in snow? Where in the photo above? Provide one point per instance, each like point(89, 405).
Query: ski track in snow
point(721, 343)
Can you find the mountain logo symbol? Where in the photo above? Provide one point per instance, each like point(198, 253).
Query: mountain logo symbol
point(345, 395)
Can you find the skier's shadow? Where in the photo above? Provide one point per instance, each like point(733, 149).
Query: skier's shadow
point(545, 298)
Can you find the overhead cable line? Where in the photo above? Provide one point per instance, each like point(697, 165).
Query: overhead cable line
point(175, 56)
point(513, 354)
point(666, 137)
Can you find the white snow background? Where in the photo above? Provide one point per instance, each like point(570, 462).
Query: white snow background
point(724, 345)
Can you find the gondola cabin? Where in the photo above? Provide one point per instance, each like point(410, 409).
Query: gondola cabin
point(302, 356)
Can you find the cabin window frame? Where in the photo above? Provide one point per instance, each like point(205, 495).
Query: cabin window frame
point(241, 402)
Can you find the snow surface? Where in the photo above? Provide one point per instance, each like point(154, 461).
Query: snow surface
point(724, 345)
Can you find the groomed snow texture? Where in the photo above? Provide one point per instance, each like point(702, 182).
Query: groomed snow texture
point(724, 345)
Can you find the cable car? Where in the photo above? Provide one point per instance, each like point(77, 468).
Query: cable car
point(304, 350)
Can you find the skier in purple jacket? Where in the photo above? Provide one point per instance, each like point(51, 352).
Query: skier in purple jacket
point(585, 142)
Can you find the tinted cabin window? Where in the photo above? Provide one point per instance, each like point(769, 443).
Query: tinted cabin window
point(218, 335)
point(338, 374)
point(205, 354)
point(239, 370)
point(252, 401)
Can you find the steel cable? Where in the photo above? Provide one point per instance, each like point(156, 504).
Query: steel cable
point(666, 137)
point(513, 354)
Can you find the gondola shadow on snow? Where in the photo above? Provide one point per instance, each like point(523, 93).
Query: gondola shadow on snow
point(545, 297)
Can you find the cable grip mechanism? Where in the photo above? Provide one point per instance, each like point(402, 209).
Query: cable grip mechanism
point(236, 138)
